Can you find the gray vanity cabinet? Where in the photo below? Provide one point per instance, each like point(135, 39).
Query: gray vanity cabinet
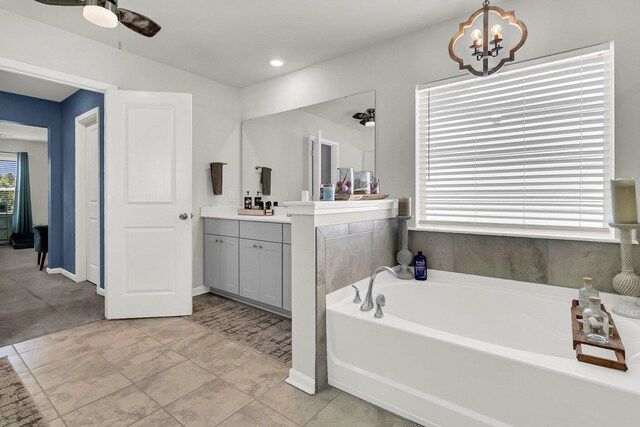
point(261, 271)
point(221, 263)
point(250, 260)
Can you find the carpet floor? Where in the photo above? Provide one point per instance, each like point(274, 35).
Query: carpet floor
point(260, 330)
point(17, 407)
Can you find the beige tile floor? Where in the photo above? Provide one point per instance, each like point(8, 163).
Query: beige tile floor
point(171, 372)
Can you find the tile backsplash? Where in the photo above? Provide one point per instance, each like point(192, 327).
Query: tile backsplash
point(553, 262)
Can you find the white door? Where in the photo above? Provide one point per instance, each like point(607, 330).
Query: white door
point(93, 202)
point(148, 226)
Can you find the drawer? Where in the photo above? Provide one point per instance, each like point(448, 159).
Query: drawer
point(261, 231)
point(221, 227)
point(286, 233)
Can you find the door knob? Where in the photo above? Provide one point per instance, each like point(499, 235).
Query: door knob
point(184, 216)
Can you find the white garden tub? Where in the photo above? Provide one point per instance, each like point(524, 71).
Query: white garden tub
point(462, 350)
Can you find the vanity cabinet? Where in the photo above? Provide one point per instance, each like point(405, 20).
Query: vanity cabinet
point(261, 271)
point(249, 261)
point(221, 263)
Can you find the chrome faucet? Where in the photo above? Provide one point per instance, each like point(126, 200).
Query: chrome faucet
point(367, 305)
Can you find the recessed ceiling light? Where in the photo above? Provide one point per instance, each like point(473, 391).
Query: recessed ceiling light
point(276, 62)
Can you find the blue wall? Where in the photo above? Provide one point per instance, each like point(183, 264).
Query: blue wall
point(75, 105)
point(38, 112)
point(59, 118)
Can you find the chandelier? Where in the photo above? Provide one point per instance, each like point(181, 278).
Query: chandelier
point(487, 53)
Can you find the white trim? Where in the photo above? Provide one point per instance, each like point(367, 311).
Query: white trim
point(301, 381)
point(64, 272)
point(200, 290)
point(99, 291)
point(31, 70)
point(84, 120)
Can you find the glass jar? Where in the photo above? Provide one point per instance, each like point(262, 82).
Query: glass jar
point(344, 181)
point(585, 292)
point(596, 322)
point(375, 185)
point(362, 182)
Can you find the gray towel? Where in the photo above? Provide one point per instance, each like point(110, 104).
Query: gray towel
point(266, 181)
point(216, 177)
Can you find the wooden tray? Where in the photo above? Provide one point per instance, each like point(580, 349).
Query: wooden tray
point(614, 344)
point(361, 196)
point(256, 212)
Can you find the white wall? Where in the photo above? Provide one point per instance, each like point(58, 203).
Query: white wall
point(280, 141)
point(393, 69)
point(216, 108)
point(38, 175)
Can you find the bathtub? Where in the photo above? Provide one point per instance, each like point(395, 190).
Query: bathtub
point(462, 350)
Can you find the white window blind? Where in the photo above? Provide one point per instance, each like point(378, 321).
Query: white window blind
point(530, 148)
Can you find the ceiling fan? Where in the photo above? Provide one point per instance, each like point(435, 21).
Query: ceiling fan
point(106, 13)
point(367, 119)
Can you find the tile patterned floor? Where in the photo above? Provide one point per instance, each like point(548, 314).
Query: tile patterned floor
point(171, 372)
point(34, 303)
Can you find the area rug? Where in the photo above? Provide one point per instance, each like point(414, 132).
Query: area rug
point(17, 407)
point(260, 330)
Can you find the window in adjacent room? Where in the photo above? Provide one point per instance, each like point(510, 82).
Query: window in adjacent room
point(8, 169)
point(528, 151)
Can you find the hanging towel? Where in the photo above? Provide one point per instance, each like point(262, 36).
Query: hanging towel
point(216, 177)
point(266, 181)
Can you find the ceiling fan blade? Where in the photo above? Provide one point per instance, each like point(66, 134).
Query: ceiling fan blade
point(138, 23)
point(62, 2)
point(360, 116)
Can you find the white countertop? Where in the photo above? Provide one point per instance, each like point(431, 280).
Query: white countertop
point(231, 212)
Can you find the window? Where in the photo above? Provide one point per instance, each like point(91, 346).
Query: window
point(527, 151)
point(8, 170)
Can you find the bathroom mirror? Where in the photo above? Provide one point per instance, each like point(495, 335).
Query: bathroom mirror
point(301, 149)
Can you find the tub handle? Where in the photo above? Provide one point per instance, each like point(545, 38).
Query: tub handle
point(357, 299)
point(380, 302)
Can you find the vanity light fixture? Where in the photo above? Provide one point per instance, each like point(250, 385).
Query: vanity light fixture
point(487, 40)
point(275, 62)
point(101, 13)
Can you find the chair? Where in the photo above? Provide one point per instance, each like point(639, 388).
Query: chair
point(41, 242)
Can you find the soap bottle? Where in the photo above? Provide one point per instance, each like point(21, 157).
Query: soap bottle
point(596, 322)
point(257, 201)
point(585, 292)
point(247, 201)
point(420, 266)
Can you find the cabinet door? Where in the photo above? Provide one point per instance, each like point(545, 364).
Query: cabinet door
point(229, 264)
point(250, 270)
point(212, 261)
point(270, 273)
point(286, 277)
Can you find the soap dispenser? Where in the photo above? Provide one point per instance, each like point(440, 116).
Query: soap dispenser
point(585, 292)
point(420, 266)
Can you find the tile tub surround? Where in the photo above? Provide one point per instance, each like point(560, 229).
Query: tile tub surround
point(345, 254)
point(554, 262)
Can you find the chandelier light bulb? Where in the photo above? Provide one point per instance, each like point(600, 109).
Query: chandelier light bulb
point(476, 35)
point(496, 30)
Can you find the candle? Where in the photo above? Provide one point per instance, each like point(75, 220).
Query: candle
point(623, 201)
point(404, 206)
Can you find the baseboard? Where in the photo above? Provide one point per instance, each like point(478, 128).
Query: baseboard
point(62, 271)
point(199, 290)
point(301, 381)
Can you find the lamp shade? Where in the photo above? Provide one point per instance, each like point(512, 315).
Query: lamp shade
point(102, 14)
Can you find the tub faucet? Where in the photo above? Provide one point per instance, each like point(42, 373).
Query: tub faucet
point(367, 305)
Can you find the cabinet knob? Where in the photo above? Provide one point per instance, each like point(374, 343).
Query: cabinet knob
point(217, 240)
point(184, 216)
point(260, 247)
point(255, 246)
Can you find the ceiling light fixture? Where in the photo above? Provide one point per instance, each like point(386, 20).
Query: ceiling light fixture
point(102, 13)
point(486, 40)
point(276, 62)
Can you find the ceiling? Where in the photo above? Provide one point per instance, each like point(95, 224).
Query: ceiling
point(36, 88)
point(22, 132)
point(231, 41)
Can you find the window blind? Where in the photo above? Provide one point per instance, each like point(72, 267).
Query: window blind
point(527, 149)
